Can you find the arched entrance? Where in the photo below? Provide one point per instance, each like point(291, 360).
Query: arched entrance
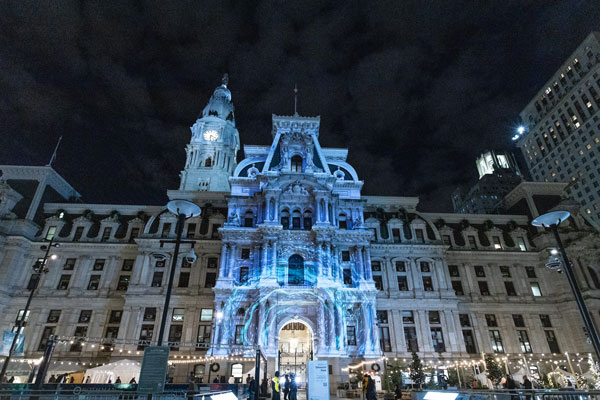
point(296, 347)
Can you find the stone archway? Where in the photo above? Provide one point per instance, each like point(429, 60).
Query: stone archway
point(296, 345)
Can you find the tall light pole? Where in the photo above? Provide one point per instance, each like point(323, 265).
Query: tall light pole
point(183, 209)
point(552, 220)
point(38, 268)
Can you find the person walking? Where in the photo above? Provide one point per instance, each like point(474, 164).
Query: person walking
point(371, 391)
point(252, 389)
point(365, 381)
point(286, 387)
point(293, 388)
point(118, 380)
point(527, 385)
point(264, 387)
point(275, 386)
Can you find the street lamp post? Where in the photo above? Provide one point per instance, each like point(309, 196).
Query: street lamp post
point(552, 220)
point(38, 268)
point(184, 210)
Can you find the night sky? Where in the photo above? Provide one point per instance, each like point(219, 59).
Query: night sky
point(416, 90)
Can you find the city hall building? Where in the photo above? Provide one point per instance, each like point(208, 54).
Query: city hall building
point(290, 258)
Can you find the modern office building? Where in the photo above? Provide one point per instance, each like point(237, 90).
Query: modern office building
point(561, 142)
point(292, 259)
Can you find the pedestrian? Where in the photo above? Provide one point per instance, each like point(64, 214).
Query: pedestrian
point(132, 381)
point(264, 388)
point(223, 379)
point(53, 379)
point(275, 386)
point(398, 392)
point(527, 385)
point(248, 379)
point(216, 380)
point(286, 387)
point(365, 381)
point(72, 380)
point(231, 380)
point(118, 380)
point(252, 389)
point(293, 387)
point(371, 391)
point(109, 380)
point(11, 380)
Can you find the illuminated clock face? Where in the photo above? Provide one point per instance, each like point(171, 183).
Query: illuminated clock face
point(211, 135)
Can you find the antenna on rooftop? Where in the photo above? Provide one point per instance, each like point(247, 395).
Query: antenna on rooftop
point(54, 154)
point(296, 100)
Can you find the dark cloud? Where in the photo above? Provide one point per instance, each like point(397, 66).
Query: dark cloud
point(416, 90)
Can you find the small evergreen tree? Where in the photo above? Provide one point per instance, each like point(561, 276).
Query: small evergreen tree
point(416, 371)
point(492, 369)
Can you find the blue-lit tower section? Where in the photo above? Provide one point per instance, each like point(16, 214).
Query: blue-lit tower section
point(296, 259)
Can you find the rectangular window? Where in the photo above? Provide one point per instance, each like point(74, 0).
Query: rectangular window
point(420, 236)
point(552, 342)
point(94, 282)
point(446, 240)
point(184, 279)
point(497, 244)
point(245, 253)
point(69, 264)
point(135, 232)
point(146, 334)
point(483, 288)
point(453, 270)
point(150, 314)
point(347, 276)
point(382, 317)
point(53, 316)
point(510, 288)
point(384, 339)
point(106, 234)
point(376, 266)
point(63, 284)
point(85, 316)
point(51, 232)
point(434, 317)
point(524, 342)
point(400, 266)
point(427, 284)
point(215, 231)
point(545, 319)
point(410, 336)
point(465, 321)
point(408, 317)
point(175, 332)
point(78, 234)
point(505, 271)
point(496, 341)
point(80, 332)
point(46, 333)
point(204, 332)
point(518, 321)
point(212, 262)
point(123, 283)
point(530, 272)
point(378, 282)
point(99, 264)
point(243, 275)
point(166, 230)
point(479, 271)
point(425, 266)
point(238, 334)
point(437, 339)
point(115, 317)
point(535, 289)
point(396, 235)
point(112, 332)
point(521, 244)
point(127, 265)
point(191, 231)
point(490, 320)
point(178, 315)
point(206, 314)
point(472, 243)
point(351, 334)
point(469, 339)
point(210, 280)
point(458, 288)
point(157, 279)
point(345, 255)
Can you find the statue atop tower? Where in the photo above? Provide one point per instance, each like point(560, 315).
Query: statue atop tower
point(212, 151)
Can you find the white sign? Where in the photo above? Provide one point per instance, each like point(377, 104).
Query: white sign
point(318, 380)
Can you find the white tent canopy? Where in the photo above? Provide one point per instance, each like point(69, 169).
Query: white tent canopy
point(125, 369)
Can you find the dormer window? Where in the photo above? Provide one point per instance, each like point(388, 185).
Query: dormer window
point(249, 219)
point(51, 232)
point(296, 164)
point(343, 224)
point(296, 219)
point(208, 162)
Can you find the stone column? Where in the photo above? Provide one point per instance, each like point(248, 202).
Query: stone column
point(368, 270)
point(359, 263)
point(265, 259)
point(232, 260)
point(322, 326)
point(415, 275)
point(223, 263)
point(274, 260)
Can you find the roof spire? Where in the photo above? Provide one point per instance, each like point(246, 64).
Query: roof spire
point(296, 100)
point(54, 154)
point(225, 79)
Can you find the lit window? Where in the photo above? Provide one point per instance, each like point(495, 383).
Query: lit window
point(206, 314)
point(535, 289)
point(50, 233)
point(588, 146)
point(178, 314)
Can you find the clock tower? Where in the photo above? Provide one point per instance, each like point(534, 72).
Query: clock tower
point(211, 153)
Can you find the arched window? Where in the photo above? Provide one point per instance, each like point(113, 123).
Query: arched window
point(249, 219)
point(296, 270)
point(296, 165)
point(272, 209)
point(342, 221)
point(285, 218)
point(594, 276)
point(208, 162)
point(307, 219)
point(296, 219)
